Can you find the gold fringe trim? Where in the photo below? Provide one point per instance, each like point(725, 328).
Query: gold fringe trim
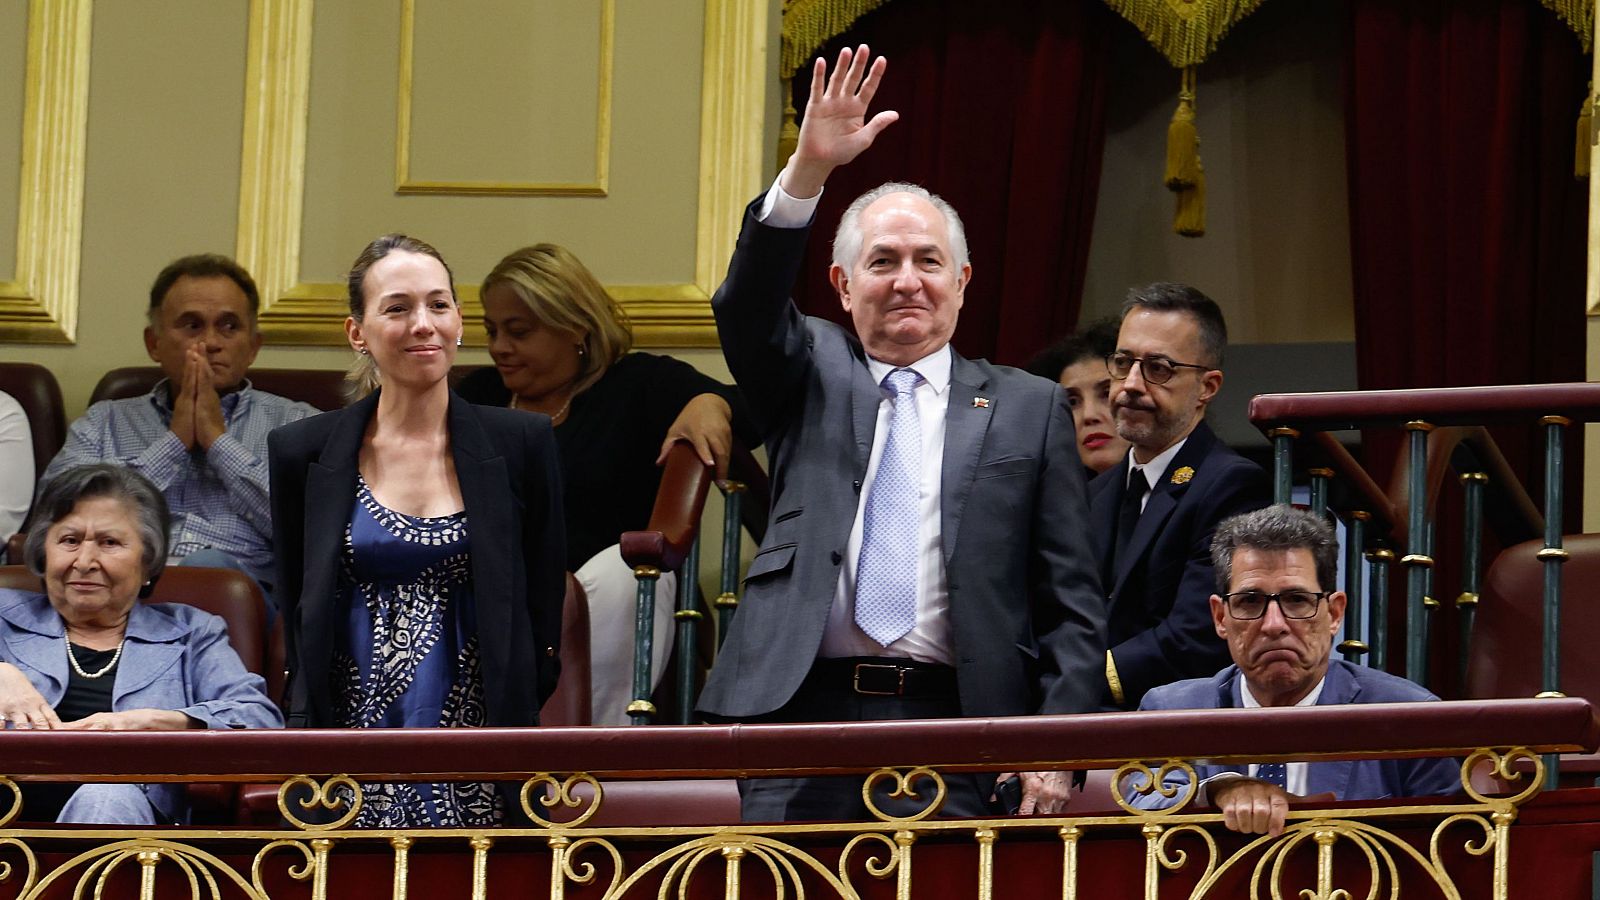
point(808, 24)
point(1578, 15)
point(1190, 218)
point(1183, 139)
point(1187, 31)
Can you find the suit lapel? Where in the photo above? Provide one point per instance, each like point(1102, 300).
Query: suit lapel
point(330, 491)
point(965, 426)
point(1164, 498)
point(1105, 498)
point(1334, 777)
point(496, 536)
point(36, 642)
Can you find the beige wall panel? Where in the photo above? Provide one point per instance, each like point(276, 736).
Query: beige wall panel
point(534, 69)
point(13, 50)
point(166, 82)
point(642, 233)
point(1276, 254)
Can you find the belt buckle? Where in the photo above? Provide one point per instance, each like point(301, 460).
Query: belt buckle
point(900, 682)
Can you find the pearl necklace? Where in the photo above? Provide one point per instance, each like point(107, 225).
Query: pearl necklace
point(108, 666)
point(559, 413)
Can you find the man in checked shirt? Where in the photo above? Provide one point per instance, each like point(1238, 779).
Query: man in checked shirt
point(201, 433)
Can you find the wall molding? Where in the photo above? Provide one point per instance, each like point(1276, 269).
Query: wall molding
point(405, 184)
point(272, 184)
point(40, 304)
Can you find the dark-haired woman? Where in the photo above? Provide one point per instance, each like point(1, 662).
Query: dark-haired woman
point(419, 542)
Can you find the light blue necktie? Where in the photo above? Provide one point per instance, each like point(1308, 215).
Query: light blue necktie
point(886, 572)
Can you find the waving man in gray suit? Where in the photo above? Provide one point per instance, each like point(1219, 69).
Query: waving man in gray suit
point(927, 555)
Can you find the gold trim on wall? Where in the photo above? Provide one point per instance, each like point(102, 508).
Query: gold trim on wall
point(732, 102)
point(602, 156)
point(273, 166)
point(40, 304)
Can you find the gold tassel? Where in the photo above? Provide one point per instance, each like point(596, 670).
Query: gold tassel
point(1585, 145)
point(1190, 219)
point(789, 132)
point(1183, 138)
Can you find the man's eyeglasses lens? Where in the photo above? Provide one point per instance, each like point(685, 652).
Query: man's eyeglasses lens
point(1293, 604)
point(1156, 369)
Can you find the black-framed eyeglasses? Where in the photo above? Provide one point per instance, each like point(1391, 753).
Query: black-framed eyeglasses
point(1156, 369)
point(1293, 604)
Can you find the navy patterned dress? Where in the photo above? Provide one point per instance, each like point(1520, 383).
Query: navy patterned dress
point(407, 653)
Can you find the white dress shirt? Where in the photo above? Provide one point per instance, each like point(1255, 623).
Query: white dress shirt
point(1154, 469)
point(930, 640)
point(1295, 774)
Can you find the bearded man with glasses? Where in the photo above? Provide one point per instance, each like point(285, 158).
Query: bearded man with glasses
point(1153, 514)
point(1276, 611)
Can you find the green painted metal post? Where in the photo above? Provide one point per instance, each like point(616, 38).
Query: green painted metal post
point(728, 601)
point(1378, 627)
point(687, 616)
point(1552, 555)
point(1417, 561)
point(1355, 538)
point(1282, 462)
point(1472, 485)
point(1320, 479)
point(641, 710)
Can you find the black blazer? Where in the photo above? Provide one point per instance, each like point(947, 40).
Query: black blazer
point(510, 481)
point(1159, 616)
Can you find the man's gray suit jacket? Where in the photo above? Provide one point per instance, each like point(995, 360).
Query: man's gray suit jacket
point(1026, 611)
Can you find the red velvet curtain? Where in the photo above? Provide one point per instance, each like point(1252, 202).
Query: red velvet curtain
point(1002, 111)
point(1467, 225)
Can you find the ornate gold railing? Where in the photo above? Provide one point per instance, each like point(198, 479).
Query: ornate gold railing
point(1433, 847)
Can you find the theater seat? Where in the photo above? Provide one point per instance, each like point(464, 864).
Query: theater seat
point(1507, 633)
point(40, 396)
point(322, 388)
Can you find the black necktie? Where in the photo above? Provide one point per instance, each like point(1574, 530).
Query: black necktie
point(1128, 517)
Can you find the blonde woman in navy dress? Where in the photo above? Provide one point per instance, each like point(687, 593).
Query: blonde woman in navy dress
point(419, 542)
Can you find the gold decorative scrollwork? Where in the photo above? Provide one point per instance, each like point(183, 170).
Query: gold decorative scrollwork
point(1155, 782)
point(877, 867)
point(6, 868)
point(584, 873)
point(196, 865)
point(298, 873)
point(1503, 767)
point(15, 809)
point(902, 788)
point(328, 795)
point(1174, 859)
point(563, 793)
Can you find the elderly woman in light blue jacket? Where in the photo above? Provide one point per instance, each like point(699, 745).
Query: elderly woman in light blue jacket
point(87, 655)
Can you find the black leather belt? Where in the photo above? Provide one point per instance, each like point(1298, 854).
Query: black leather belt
point(876, 677)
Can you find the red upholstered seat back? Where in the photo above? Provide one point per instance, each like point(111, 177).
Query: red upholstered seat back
point(322, 388)
point(222, 592)
point(40, 396)
point(1507, 635)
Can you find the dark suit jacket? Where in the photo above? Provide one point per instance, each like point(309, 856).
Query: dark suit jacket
point(1159, 621)
point(1025, 608)
point(511, 484)
point(1363, 779)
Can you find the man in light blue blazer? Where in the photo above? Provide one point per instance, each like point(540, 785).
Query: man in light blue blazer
point(1279, 623)
point(927, 554)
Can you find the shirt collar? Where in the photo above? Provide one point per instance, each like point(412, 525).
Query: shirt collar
point(934, 369)
point(161, 397)
point(1250, 701)
point(1153, 470)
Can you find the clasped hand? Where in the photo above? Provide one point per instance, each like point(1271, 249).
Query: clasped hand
point(196, 408)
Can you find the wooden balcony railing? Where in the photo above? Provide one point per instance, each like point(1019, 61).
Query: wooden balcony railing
point(1460, 847)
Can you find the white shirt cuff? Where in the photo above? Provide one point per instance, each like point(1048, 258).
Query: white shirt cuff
point(780, 210)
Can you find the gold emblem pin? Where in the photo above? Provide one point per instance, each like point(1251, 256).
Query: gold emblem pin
point(1183, 475)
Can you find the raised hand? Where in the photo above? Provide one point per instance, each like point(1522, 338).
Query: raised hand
point(183, 405)
point(835, 129)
